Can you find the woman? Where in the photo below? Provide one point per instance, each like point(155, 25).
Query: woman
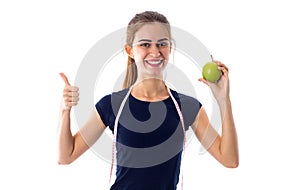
point(147, 114)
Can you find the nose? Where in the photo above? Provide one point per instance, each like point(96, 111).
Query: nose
point(154, 51)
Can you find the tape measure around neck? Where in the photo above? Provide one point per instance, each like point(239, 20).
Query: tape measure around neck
point(114, 153)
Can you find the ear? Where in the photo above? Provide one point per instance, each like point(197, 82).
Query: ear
point(128, 50)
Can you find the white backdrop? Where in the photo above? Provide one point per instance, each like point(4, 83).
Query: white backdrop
point(258, 40)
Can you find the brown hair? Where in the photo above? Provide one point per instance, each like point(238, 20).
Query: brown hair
point(133, 26)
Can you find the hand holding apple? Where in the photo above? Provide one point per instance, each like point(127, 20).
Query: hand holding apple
point(215, 75)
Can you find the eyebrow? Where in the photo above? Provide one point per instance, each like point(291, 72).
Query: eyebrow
point(146, 40)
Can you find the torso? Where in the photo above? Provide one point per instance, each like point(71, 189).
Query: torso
point(149, 139)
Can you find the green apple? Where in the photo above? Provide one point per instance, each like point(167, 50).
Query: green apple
point(211, 72)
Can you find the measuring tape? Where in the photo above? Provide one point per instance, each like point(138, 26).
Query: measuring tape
point(114, 155)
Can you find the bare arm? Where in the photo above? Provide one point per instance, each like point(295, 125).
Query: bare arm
point(223, 147)
point(72, 146)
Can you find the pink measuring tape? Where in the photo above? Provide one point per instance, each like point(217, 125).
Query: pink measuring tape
point(116, 130)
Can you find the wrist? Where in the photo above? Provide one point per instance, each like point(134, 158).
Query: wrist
point(224, 103)
point(66, 108)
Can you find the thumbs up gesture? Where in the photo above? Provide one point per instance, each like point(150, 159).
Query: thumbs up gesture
point(70, 93)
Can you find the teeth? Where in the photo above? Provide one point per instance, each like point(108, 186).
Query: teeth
point(154, 62)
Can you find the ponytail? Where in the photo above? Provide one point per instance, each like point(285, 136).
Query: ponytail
point(131, 73)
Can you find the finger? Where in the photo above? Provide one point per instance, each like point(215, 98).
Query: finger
point(69, 105)
point(69, 102)
point(71, 94)
point(224, 71)
point(71, 99)
point(64, 77)
point(220, 64)
point(203, 80)
point(72, 89)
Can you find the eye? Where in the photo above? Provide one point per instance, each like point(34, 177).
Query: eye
point(145, 45)
point(163, 44)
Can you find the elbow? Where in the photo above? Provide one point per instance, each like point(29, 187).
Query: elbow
point(64, 158)
point(64, 161)
point(231, 164)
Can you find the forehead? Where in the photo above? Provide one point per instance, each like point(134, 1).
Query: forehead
point(152, 31)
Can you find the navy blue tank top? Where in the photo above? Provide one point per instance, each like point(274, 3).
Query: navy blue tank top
point(149, 140)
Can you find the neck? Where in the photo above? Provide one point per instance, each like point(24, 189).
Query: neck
point(150, 90)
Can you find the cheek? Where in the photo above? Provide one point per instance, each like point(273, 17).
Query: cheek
point(138, 54)
point(166, 53)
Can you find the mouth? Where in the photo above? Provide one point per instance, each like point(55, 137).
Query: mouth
point(154, 63)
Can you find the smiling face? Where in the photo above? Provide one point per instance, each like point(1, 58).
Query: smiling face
point(150, 49)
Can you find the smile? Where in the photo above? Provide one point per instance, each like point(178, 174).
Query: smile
point(154, 63)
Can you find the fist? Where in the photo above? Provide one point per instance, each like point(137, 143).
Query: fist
point(70, 93)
